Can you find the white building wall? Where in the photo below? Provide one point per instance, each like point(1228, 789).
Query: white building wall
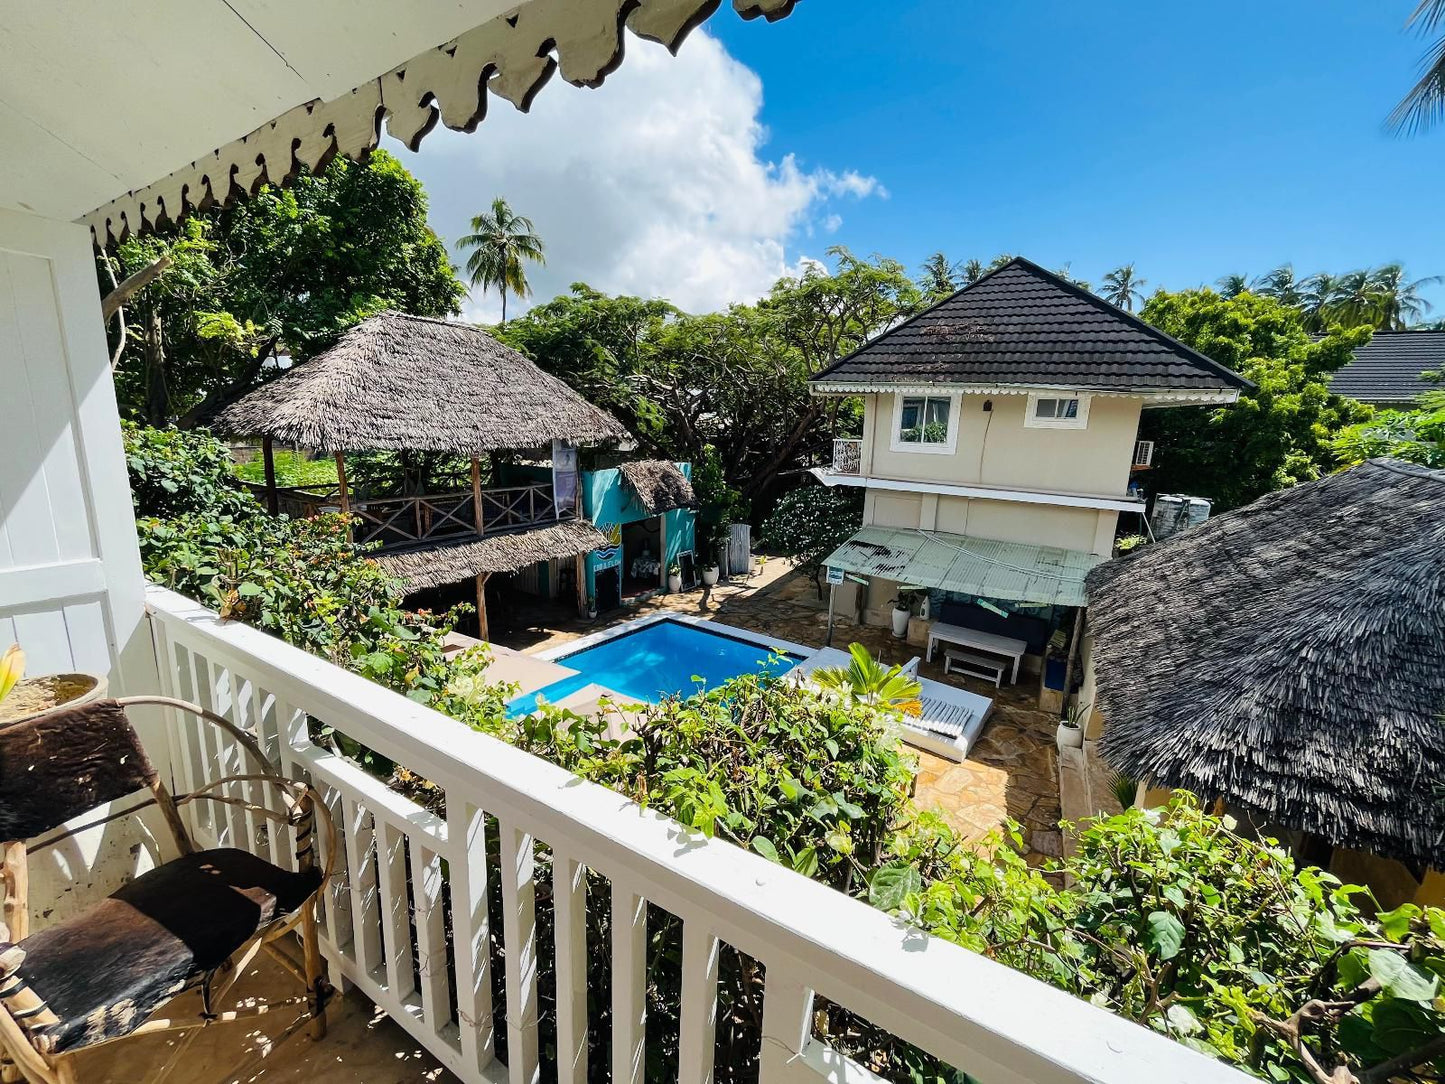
point(71, 590)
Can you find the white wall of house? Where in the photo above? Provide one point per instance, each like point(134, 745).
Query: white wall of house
point(71, 590)
point(996, 448)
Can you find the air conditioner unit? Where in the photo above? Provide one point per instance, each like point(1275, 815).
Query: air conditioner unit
point(1143, 453)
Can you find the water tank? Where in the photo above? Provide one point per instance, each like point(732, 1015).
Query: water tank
point(1174, 512)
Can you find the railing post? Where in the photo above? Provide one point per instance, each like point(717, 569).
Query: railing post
point(531, 504)
point(477, 515)
point(787, 1023)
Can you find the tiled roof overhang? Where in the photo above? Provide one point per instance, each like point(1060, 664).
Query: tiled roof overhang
point(513, 55)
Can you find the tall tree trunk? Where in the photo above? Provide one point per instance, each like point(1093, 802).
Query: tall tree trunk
point(769, 470)
point(504, 304)
point(158, 399)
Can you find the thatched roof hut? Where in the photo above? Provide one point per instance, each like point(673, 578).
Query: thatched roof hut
point(657, 486)
point(433, 566)
point(411, 383)
point(1289, 656)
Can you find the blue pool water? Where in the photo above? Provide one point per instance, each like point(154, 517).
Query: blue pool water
point(658, 660)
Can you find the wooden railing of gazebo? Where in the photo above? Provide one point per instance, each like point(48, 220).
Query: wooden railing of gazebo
point(397, 522)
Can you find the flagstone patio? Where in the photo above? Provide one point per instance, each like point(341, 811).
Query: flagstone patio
point(1012, 770)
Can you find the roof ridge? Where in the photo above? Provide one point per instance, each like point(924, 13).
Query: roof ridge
point(1139, 323)
point(1186, 353)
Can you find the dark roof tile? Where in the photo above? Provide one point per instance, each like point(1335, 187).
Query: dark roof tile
point(1387, 368)
point(1024, 325)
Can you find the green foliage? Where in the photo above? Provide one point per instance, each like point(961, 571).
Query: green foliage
point(718, 504)
point(865, 680)
point(737, 380)
point(1276, 435)
point(174, 473)
point(1417, 436)
point(292, 469)
point(811, 522)
point(288, 268)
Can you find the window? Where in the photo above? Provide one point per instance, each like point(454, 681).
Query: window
point(925, 423)
point(1057, 412)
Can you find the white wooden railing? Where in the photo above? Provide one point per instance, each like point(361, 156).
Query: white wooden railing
point(384, 917)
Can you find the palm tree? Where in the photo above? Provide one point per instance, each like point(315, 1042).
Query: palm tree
point(1281, 285)
point(867, 681)
point(500, 240)
point(1122, 287)
point(972, 272)
point(999, 260)
point(1398, 301)
point(940, 277)
point(1356, 302)
point(1231, 286)
point(1425, 104)
point(1319, 294)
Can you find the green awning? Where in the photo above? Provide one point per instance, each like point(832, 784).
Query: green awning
point(1044, 575)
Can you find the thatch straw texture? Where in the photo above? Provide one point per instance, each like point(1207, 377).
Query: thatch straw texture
point(433, 566)
point(1289, 657)
point(658, 485)
point(397, 383)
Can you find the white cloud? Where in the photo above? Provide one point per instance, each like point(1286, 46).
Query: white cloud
point(655, 185)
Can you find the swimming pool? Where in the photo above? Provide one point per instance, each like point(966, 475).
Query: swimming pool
point(660, 659)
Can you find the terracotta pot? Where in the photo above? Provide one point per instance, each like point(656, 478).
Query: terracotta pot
point(33, 697)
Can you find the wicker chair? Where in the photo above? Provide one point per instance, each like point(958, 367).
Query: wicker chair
point(194, 922)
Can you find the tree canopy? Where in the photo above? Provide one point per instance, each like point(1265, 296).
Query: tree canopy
point(1276, 435)
point(286, 271)
point(499, 242)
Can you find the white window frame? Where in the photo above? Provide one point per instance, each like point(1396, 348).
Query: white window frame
point(896, 443)
point(1079, 421)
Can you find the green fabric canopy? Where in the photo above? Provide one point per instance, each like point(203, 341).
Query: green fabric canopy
point(1015, 571)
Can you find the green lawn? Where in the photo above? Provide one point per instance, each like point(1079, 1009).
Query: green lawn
point(292, 469)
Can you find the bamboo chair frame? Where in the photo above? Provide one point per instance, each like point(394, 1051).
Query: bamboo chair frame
point(22, 1059)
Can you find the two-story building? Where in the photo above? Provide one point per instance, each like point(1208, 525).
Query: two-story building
point(1000, 430)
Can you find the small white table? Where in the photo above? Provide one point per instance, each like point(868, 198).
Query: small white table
point(941, 631)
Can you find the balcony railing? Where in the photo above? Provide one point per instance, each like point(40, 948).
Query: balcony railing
point(848, 456)
point(407, 920)
point(397, 522)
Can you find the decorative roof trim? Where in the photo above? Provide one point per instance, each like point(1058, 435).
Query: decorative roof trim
point(512, 55)
point(1151, 396)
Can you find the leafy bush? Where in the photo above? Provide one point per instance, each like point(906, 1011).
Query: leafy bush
point(811, 522)
point(176, 473)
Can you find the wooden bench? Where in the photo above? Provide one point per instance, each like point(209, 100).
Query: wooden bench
point(979, 666)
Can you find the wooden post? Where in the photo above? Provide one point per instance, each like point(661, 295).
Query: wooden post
point(581, 560)
point(832, 597)
point(273, 504)
point(483, 632)
point(480, 519)
point(15, 890)
point(1069, 663)
point(345, 494)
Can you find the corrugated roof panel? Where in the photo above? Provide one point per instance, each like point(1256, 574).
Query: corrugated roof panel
point(1016, 571)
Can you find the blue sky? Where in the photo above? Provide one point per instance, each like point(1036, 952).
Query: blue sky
point(1192, 139)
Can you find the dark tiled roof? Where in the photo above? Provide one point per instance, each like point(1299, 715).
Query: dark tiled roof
point(1024, 325)
point(1387, 368)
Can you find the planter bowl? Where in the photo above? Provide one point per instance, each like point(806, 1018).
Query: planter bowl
point(709, 576)
point(1069, 737)
point(674, 583)
point(33, 697)
point(900, 623)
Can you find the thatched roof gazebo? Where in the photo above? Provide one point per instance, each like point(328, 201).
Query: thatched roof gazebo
point(414, 384)
point(411, 383)
point(657, 486)
point(1289, 657)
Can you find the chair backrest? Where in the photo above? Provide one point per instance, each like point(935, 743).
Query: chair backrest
point(58, 766)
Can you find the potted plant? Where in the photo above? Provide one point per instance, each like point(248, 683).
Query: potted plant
point(24, 698)
point(1070, 733)
point(591, 608)
point(674, 577)
point(902, 611)
point(710, 546)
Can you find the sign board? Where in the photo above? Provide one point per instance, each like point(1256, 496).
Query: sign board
point(835, 576)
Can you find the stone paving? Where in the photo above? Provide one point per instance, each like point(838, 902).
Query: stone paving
point(1012, 770)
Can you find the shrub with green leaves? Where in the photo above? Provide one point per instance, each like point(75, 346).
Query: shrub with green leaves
point(176, 472)
point(810, 523)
